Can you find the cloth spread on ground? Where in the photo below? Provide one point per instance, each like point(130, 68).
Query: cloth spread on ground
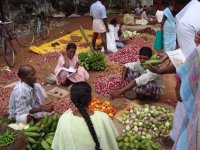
point(61, 43)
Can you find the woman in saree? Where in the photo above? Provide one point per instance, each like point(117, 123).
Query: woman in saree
point(70, 61)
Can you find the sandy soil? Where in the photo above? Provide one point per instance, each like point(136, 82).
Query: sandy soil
point(25, 56)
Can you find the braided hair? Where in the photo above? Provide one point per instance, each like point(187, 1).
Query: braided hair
point(81, 96)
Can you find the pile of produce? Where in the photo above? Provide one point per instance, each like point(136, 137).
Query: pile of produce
point(105, 85)
point(4, 100)
point(40, 135)
point(130, 52)
point(92, 60)
point(60, 106)
point(156, 121)
point(141, 22)
point(7, 138)
point(12, 75)
point(148, 30)
point(129, 140)
point(154, 61)
point(103, 106)
point(129, 34)
point(48, 57)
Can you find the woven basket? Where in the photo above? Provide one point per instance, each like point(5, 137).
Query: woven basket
point(76, 38)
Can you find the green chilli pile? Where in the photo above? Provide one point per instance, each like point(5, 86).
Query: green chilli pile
point(40, 135)
point(7, 139)
point(156, 121)
point(92, 60)
point(130, 141)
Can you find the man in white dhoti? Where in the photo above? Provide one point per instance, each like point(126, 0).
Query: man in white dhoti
point(27, 98)
point(100, 25)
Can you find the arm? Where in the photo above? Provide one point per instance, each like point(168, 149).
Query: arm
point(46, 108)
point(162, 23)
point(124, 72)
point(106, 23)
point(197, 38)
point(168, 70)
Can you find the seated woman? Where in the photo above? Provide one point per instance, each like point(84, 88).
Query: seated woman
point(138, 81)
point(84, 129)
point(67, 70)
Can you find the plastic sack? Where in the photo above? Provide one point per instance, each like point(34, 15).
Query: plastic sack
point(158, 43)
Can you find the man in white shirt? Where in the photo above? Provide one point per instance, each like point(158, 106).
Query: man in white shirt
point(27, 98)
point(99, 17)
point(138, 81)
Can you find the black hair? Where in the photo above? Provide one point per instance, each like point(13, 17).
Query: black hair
point(182, 1)
point(71, 45)
point(146, 51)
point(113, 21)
point(24, 70)
point(80, 93)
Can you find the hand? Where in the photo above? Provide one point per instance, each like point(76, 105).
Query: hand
point(197, 38)
point(154, 69)
point(107, 30)
point(48, 108)
point(66, 66)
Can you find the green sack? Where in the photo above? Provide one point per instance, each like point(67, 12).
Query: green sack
point(158, 43)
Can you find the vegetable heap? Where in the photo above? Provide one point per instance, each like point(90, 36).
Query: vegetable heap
point(41, 134)
point(105, 106)
point(154, 61)
point(92, 60)
point(156, 121)
point(129, 34)
point(7, 138)
point(130, 140)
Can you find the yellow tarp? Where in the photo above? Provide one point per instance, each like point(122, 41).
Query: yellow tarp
point(61, 44)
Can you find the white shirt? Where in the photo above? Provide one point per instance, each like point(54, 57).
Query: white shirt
point(188, 23)
point(159, 15)
point(23, 98)
point(98, 10)
point(146, 75)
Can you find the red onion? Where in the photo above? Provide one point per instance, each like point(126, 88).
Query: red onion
point(4, 100)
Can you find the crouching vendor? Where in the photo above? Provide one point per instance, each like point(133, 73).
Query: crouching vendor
point(27, 98)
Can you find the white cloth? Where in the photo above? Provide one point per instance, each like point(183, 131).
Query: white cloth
point(116, 30)
point(98, 26)
point(110, 37)
point(146, 75)
point(24, 97)
point(144, 15)
point(179, 115)
point(188, 23)
point(98, 10)
point(159, 16)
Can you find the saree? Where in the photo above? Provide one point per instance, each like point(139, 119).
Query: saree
point(189, 136)
point(169, 31)
point(80, 75)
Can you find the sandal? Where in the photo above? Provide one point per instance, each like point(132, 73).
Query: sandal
point(130, 95)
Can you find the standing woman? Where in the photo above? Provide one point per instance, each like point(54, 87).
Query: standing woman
point(168, 27)
point(66, 61)
point(84, 129)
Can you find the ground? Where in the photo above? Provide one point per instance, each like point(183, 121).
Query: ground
point(25, 56)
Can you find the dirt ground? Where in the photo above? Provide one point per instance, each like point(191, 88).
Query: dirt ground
point(25, 56)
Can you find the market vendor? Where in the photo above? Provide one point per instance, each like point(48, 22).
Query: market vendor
point(68, 70)
point(138, 81)
point(27, 98)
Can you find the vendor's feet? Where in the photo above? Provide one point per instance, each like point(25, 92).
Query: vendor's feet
point(130, 95)
point(167, 142)
point(115, 94)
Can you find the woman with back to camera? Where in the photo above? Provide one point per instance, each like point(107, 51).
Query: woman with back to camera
point(84, 129)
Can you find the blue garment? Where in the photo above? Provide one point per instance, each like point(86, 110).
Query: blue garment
point(169, 31)
point(119, 44)
point(98, 10)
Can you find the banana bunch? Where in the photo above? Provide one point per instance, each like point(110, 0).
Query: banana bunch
point(154, 61)
point(40, 135)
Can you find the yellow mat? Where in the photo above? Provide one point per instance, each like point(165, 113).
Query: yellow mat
point(61, 43)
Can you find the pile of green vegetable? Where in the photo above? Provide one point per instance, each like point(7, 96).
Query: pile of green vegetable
point(156, 121)
point(92, 60)
point(7, 138)
point(41, 134)
point(154, 61)
point(130, 141)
